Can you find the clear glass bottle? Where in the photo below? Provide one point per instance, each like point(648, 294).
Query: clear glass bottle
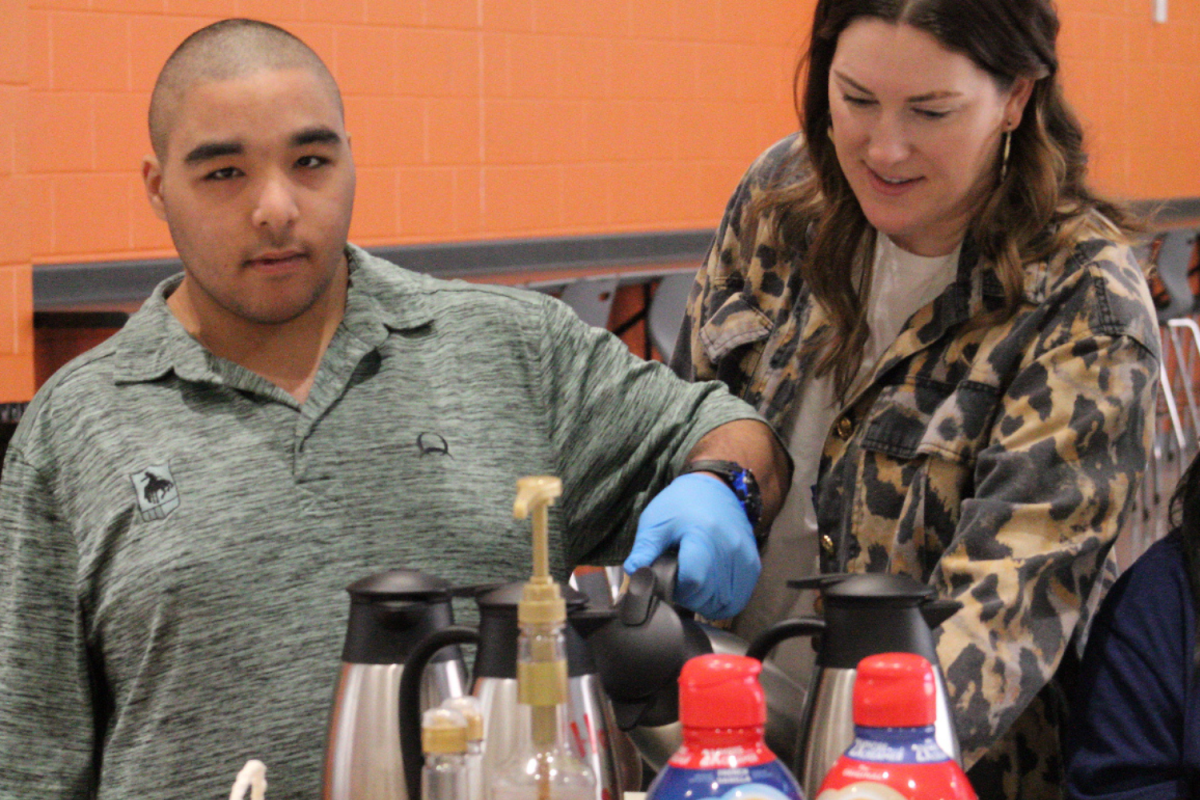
point(543, 766)
point(444, 742)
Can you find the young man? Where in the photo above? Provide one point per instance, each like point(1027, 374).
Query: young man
point(183, 506)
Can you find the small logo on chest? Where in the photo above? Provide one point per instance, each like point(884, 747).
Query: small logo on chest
point(429, 443)
point(157, 495)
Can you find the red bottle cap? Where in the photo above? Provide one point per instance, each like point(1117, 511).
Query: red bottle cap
point(894, 690)
point(721, 691)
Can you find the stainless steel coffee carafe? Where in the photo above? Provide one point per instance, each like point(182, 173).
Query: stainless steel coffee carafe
point(590, 722)
point(390, 613)
point(864, 615)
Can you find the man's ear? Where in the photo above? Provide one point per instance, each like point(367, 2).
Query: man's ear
point(152, 179)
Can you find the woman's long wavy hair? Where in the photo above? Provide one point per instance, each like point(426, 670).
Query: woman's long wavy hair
point(1038, 206)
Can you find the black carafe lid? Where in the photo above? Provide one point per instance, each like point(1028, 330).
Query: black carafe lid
point(872, 613)
point(390, 612)
point(399, 584)
point(498, 631)
point(877, 589)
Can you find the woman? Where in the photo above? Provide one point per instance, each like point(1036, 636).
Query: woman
point(1135, 713)
point(923, 296)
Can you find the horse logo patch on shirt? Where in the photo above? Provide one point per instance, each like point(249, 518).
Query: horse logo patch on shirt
point(156, 493)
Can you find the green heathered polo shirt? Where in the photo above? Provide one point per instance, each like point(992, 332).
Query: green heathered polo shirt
point(176, 533)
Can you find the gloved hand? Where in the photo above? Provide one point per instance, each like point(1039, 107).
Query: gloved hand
point(718, 557)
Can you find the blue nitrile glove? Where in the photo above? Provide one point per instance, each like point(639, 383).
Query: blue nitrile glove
point(718, 557)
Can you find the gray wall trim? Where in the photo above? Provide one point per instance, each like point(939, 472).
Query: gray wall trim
point(1174, 212)
point(64, 285)
point(59, 285)
point(467, 259)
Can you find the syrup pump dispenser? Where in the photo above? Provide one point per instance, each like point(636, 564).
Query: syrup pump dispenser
point(594, 734)
point(543, 766)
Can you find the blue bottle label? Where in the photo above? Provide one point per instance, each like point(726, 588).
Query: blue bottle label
point(896, 746)
point(769, 781)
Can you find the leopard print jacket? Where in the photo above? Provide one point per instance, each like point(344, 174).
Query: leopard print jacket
point(996, 463)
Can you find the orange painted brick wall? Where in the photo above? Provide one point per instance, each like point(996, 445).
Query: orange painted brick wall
point(477, 119)
point(16, 292)
point(1136, 85)
point(469, 119)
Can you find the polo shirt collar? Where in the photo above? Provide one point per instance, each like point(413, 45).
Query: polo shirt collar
point(383, 294)
point(381, 297)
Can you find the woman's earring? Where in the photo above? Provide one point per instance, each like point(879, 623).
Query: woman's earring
point(1004, 158)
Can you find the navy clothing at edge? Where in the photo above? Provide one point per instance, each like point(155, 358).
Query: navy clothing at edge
point(1135, 731)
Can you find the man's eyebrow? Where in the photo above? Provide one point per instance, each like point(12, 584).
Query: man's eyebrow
point(210, 150)
point(316, 135)
point(920, 98)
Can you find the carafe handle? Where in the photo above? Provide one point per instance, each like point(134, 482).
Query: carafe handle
point(765, 642)
point(410, 698)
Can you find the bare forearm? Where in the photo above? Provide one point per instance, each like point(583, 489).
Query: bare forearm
point(751, 444)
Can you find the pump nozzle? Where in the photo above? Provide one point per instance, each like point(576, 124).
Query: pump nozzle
point(534, 492)
point(542, 607)
point(535, 495)
point(541, 602)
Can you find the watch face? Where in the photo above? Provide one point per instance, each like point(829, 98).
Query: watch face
point(746, 489)
point(743, 484)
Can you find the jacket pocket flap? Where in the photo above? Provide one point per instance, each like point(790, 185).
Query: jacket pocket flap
point(738, 321)
point(930, 418)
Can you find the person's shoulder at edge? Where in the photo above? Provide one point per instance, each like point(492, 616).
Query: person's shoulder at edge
point(1164, 560)
point(1153, 589)
point(1143, 623)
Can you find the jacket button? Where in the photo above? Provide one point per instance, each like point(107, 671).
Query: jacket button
point(827, 545)
point(845, 427)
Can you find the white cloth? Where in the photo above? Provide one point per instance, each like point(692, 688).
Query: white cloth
point(901, 284)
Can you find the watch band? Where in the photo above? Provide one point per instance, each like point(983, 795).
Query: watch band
point(744, 485)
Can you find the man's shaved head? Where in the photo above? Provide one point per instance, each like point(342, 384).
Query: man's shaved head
point(225, 50)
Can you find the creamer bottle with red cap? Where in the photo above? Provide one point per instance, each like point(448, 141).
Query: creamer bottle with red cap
point(894, 755)
point(723, 709)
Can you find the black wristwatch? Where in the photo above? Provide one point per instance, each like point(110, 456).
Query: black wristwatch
point(741, 480)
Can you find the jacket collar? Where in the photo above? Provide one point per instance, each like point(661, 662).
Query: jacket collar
point(976, 289)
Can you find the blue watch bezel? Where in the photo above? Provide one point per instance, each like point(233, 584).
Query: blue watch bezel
point(743, 484)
